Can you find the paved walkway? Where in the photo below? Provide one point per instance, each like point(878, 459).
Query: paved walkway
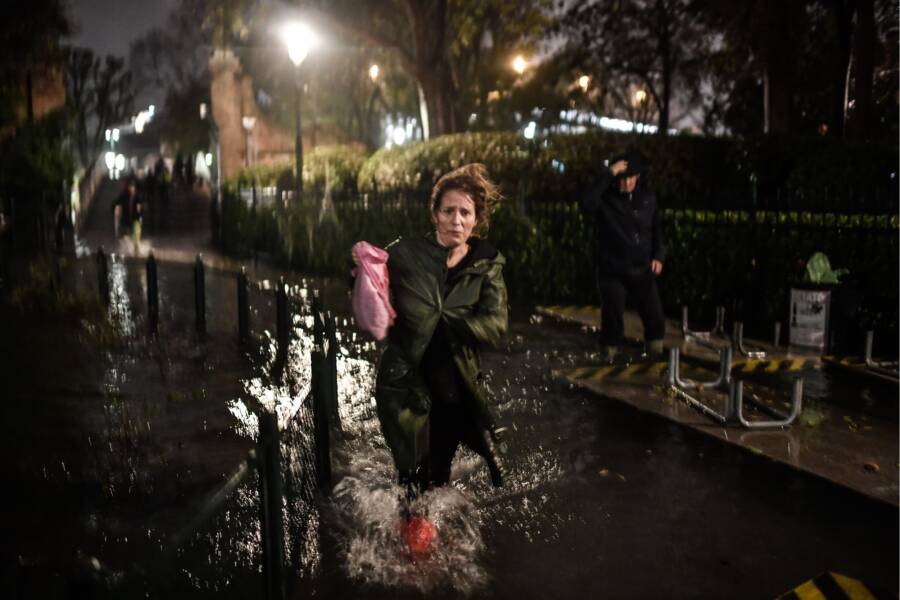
point(835, 438)
point(602, 500)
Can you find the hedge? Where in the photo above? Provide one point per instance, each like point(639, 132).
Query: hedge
point(324, 167)
point(767, 172)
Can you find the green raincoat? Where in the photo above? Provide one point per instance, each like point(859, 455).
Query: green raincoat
point(473, 305)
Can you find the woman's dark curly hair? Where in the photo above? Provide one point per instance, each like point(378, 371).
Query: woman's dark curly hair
point(473, 180)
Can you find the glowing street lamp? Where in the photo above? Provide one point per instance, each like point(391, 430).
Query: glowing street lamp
point(519, 64)
point(247, 122)
point(374, 72)
point(639, 98)
point(299, 39)
point(584, 82)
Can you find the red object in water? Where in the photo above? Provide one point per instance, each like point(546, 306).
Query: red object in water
point(419, 534)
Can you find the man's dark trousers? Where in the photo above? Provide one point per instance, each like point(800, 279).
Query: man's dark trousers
point(641, 289)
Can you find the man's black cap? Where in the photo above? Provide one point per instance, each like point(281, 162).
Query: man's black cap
point(635, 163)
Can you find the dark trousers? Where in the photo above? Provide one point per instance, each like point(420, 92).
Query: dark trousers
point(450, 425)
point(641, 290)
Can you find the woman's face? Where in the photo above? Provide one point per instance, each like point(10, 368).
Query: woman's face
point(454, 219)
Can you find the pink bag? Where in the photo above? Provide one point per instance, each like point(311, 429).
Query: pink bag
point(371, 295)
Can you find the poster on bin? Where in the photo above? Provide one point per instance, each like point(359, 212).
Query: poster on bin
point(809, 318)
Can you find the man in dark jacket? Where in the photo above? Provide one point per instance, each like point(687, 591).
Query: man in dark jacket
point(631, 252)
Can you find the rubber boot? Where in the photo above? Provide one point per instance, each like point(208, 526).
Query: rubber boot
point(655, 347)
point(490, 450)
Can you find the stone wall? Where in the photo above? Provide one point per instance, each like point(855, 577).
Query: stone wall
point(232, 99)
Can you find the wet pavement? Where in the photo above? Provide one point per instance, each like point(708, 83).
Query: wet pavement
point(846, 432)
point(115, 439)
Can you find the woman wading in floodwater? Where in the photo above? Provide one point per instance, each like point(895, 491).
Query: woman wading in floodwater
point(448, 291)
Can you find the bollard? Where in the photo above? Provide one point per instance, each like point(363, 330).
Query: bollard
point(243, 306)
point(777, 339)
point(870, 342)
point(200, 294)
point(719, 327)
point(331, 372)
point(152, 294)
point(103, 276)
point(282, 327)
point(321, 429)
point(270, 509)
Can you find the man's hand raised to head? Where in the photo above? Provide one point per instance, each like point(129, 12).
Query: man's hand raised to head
point(618, 167)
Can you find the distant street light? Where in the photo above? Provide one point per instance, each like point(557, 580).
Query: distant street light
point(247, 122)
point(530, 130)
point(299, 39)
point(374, 72)
point(640, 97)
point(519, 64)
point(584, 82)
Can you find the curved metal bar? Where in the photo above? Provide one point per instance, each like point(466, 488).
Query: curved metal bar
point(699, 406)
point(881, 367)
point(737, 402)
point(724, 376)
point(718, 328)
point(738, 342)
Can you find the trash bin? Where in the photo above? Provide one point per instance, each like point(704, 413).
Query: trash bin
point(810, 313)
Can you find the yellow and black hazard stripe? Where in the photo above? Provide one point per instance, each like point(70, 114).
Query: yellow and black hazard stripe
point(833, 586)
point(777, 365)
point(636, 370)
point(857, 366)
point(588, 314)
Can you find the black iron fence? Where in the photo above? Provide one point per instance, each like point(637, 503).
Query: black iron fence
point(291, 460)
point(745, 259)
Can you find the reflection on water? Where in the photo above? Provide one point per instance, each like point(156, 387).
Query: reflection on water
point(120, 313)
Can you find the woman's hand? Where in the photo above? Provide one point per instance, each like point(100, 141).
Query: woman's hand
point(656, 266)
point(355, 256)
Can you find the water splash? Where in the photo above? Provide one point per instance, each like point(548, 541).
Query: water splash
point(366, 513)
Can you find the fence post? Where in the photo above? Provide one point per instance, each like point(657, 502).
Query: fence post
point(243, 306)
point(281, 314)
point(152, 294)
point(321, 394)
point(103, 275)
point(200, 294)
point(270, 509)
point(331, 371)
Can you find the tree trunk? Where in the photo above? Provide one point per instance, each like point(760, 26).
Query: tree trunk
point(428, 19)
point(864, 43)
point(665, 54)
point(777, 56)
point(842, 15)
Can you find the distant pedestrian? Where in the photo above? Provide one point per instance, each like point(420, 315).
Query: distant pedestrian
point(630, 253)
point(128, 213)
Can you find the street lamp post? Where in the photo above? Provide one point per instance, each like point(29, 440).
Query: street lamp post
point(299, 39)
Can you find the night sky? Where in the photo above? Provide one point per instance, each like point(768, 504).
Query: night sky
point(109, 26)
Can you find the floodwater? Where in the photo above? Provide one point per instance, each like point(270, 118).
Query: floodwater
point(117, 439)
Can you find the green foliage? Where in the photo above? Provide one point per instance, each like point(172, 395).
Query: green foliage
point(332, 168)
point(683, 170)
point(35, 159)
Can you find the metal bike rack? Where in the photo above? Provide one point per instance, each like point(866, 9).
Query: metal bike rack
point(723, 378)
point(737, 340)
point(882, 367)
point(718, 328)
point(735, 407)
